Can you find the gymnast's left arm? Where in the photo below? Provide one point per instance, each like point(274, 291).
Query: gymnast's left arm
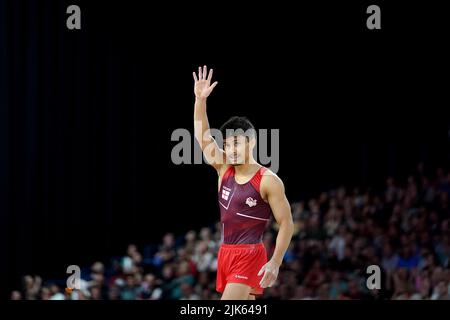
point(273, 188)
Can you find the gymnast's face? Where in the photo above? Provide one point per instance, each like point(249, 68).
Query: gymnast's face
point(239, 149)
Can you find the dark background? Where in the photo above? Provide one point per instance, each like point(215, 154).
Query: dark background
point(86, 116)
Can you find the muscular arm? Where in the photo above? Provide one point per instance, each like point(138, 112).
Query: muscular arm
point(282, 212)
point(202, 89)
point(273, 188)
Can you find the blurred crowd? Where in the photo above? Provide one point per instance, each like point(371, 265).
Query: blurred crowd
point(402, 228)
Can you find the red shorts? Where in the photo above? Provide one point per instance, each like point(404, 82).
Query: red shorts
point(240, 263)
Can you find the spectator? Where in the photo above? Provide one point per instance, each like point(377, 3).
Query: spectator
point(31, 287)
point(149, 289)
point(187, 292)
point(16, 295)
point(129, 291)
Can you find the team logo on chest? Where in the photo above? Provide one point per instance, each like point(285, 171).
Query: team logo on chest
point(225, 193)
point(225, 197)
point(250, 202)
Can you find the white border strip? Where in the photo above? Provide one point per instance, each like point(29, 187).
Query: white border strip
point(244, 215)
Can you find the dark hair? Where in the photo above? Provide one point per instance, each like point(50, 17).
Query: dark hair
point(238, 126)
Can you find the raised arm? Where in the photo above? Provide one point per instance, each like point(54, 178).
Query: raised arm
point(202, 89)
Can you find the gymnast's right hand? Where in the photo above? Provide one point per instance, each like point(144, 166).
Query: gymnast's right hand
point(203, 86)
